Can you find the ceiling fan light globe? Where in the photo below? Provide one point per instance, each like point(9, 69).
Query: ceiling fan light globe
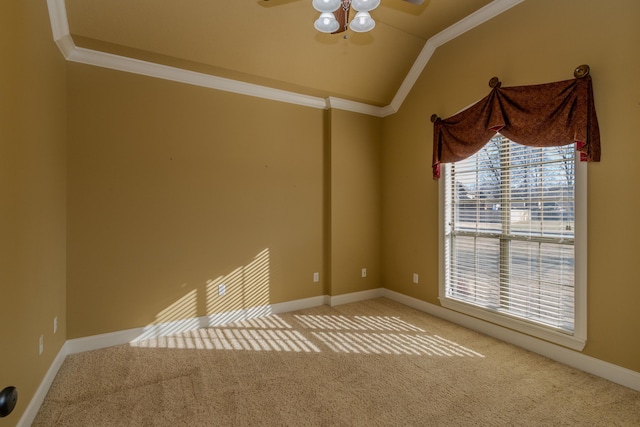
point(362, 23)
point(326, 23)
point(365, 5)
point(326, 5)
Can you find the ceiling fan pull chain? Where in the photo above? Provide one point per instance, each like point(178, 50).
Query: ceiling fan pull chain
point(346, 4)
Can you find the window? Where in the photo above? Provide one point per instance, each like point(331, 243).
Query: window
point(513, 221)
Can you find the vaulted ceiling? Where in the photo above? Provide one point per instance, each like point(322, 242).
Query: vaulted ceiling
point(273, 43)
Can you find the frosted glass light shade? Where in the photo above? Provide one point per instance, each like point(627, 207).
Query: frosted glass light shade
point(365, 5)
point(327, 23)
point(362, 22)
point(326, 5)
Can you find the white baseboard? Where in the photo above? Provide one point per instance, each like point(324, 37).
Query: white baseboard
point(355, 297)
point(36, 401)
point(95, 342)
point(609, 371)
point(606, 370)
point(300, 304)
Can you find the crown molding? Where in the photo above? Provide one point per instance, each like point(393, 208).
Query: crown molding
point(73, 53)
point(136, 66)
point(58, 18)
point(480, 16)
point(356, 107)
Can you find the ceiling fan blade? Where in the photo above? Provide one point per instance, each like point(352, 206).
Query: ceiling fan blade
point(342, 16)
point(415, 1)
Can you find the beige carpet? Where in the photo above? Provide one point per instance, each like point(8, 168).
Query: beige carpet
point(372, 363)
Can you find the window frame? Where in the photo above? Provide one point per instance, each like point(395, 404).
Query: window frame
point(576, 340)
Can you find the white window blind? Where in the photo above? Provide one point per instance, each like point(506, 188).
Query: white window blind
point(509, 233)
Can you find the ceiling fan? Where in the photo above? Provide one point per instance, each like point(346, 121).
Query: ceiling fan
point(334, 14)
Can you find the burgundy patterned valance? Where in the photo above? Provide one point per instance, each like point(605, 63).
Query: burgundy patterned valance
point(543, 115)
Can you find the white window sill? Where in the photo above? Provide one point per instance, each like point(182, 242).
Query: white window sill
point(566, 340)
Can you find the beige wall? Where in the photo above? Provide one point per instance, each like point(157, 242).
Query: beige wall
point(32, 198)
point(535, 42)
point(174, 190)
point(355, 202)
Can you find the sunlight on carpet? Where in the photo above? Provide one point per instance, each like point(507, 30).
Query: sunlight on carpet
point(345, 334)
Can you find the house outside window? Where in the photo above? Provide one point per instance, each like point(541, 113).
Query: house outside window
point(513, 239)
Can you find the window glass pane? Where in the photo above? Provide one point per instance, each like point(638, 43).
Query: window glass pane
point(475, 270)
point(511, 224)
point(540, 285)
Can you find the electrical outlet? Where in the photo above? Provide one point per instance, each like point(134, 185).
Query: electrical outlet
point(222, 289)
point(364, 272)
point(55, 324)
point(41, 344)
point(316, 277)
point(415, 277)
